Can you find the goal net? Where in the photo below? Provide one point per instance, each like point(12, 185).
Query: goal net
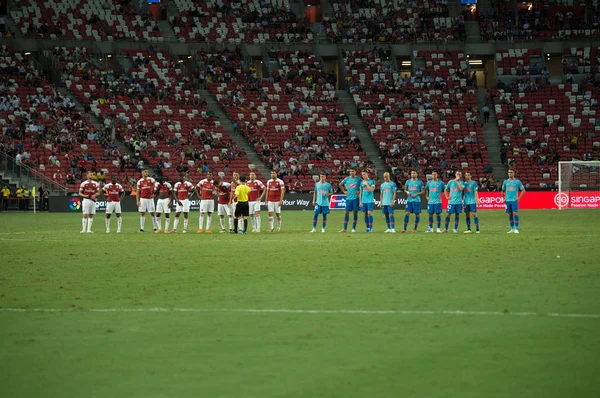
point(578, 185)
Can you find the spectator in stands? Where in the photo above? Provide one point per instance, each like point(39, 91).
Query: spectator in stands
point(486, 113)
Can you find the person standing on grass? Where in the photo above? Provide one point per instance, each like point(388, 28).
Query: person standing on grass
point(433, 193)
point(413, 188)
point(512, 192)
point(350, 186)
point(163, 204)
point(274, 194)
point(223, 208)
point(89, 189)
point(205, 190)
point(323, 191)
point(387, 198)
point(242, 209)
point(4, 197)
point(454, 192)
point(114, 193)
point(256, 194)
point(182, 192)
point(367, 199)
point(471, 199)
point(144, 196)
point(234, 183)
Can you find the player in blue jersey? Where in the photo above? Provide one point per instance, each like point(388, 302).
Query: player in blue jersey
point(470, 200)
point(350, 186)
point(321, 196)
point(414, 188)
point(454, 192)
point(387, 198)
point(433, 193)
point(512, 192)
point(367, 199)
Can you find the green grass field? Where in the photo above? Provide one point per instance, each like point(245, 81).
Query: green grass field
point(367, 315)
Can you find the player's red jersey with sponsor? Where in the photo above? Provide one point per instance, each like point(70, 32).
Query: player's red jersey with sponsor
point(224, 193)
point(164, 188)
point(255, 188)
point(275, 188)
point(145, 187)
point(113, 191)
point(206, 189)
point(233, 186)
point(89, 188)
point(183, 189)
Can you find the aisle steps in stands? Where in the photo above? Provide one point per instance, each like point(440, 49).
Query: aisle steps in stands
point(491, 135)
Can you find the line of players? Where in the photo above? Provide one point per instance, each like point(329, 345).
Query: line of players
point(181, 193)
point(461, 195)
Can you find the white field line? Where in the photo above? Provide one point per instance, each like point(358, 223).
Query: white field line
point(300, 311)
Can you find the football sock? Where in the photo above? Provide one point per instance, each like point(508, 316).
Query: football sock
point(107, 222)
point(119, 223)
point(405, 221)
point(222, 222)
point(201, 220)
point(393, 222)
point(84, 224)
point(355, 221)
point(468, 222)
point(456, 221)
point(271, 222)
point(158, 223)
point(142, 221)
point(346, 219)
point(439, 221)
point(476, 219)
point(430, 222)
point(512, 221)
point(324, 220)
point(417, 220)
point(516, 221)
point(90, 221)
point(447, 222)
point(230, 222)
point(245, 225)
point(167, 223)
point(208, 221)
point(279, 222)
point(185, 224)
point(175, 224)
point(258, 223)
point(387, 221)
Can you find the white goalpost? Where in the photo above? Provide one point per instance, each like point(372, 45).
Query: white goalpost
point(578, 185)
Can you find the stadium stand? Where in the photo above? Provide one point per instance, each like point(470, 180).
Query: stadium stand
point(428, 121)
point(393, 21)
point(88, 19)
point(158, 115)
point(541, 126)
point(237, 22)
point(293, 119)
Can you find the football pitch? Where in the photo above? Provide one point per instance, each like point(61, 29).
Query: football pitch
point(296, 314)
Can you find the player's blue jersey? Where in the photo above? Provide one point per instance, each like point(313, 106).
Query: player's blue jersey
point(322, 189)
point(414, 187)
point(367, 196)
point(455, 193)
point(352, 185)
point(435, 189)
point(387, 193)
point(470, 188)
point(512, 189)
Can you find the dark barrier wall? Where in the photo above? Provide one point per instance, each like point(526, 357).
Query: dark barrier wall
point(303, 201)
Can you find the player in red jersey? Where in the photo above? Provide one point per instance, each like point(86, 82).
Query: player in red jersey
point(114, 193)
point(274, 194)
point(182, 191)
point(234, 183)
point(145, 199)
point(223, 198)
point(88, 190)
point(206, 190)
point(257, 191)
point(163, 204)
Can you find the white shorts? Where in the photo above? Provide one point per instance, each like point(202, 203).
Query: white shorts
point(273, 207)
point(232, 208)
point(113, 207)
point(88, 206)
point(207, 206)
point(253, 207)
point(162, 206)
point(183, 207)
point(224, 210)
point(146, 206)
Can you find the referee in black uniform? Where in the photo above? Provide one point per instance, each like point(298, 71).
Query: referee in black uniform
point(242, 211)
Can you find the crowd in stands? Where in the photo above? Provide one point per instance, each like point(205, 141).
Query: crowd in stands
point(393, 21)
point(246, 21)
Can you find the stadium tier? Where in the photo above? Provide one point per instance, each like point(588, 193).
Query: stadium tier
point(293, 119)
point(541, 126)
point(87, 19)
point(424, 122)
point(246, 21)
point(519, 62)
point(393, 21)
